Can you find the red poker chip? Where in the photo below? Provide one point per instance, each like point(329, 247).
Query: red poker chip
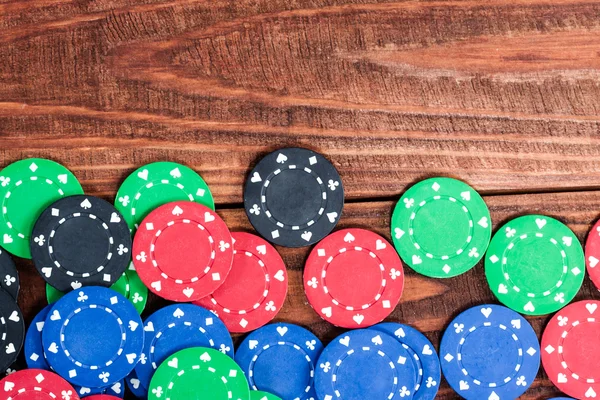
point(353, 278)
point(571, 349)
point(36, 384)
point(255, 289)
point(592, 254)
point(182, 251)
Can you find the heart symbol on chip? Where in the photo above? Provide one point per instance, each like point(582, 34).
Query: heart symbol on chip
point(349, 238)
point(76, 285)
point(281, 158)
point(358, 318)
point(208, 217)
point(84, 391)
point(116, 388)
point(326, 311)
point(255, 178)
point(149, 327)
point(345, 341)
point(55, 316)
point(14, 316)
point(562, 378)
point(306, 235)
point(262, 249)
point(85, 204)
point(486, 311)
point(380, 244)
point(483, 222)
point(463, 385)
point(135, 383)
point(332, 216)
point(177, 211)
point(8, 386)
point(252, 344)
point(10, 348)
point(178, 313)
point(39, 326)
point(377, 340)
point(156, 286)
point(131, 358)
point(205, 357)
point(114, 218)
point(53, 348)
point(593, 261)
point(47, 271)
point(398, 233)
point(280, 276)
point(590, 393)
point(7, 238)
point(62, 178)
point(502, 288)
point(529, 307)
point(173, 363)
point(591, 307)
point(427, 350)
point(133, 326)
point(175, 173)
point(540, 222)
point(416, 260)
point(143, 174)
point(282, 330)
point(188, 292)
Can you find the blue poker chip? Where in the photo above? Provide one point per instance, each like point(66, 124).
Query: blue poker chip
point(365, 364)
point(490, 352)
point(116, 389)
point(177, 327)
point(34, 349)
point(280, 359)
point(425, 358)
point(93, 337)
point(135, 386)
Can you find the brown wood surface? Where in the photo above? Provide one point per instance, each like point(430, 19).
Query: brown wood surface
point(502, 94)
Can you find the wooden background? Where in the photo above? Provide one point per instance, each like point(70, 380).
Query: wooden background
point(502, 94)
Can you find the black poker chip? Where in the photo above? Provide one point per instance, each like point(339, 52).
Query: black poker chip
point(294, 197)
point(9, 277)
point(80, 241)
point(12, 328)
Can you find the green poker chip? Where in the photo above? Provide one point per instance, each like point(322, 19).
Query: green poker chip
point(129, 285)
point(27, 188)
point(441, 227)
point(156, 184)
point(535, 265)
point(258, 395)
point(199, 373)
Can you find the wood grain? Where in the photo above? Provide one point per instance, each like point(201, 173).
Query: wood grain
point(502, 94)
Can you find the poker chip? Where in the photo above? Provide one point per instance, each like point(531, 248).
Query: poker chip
point(135, 386)
point(441, 208)
point(156, 184)
point(353, 278)
point(280, 359)
point(258, 395)
point(9, 277)
point(12, 330)
point(365, 364)
point(183, 251)
point(27, 187)
point(294, 197)
point(178, 327)
point(129, 285)
point(571, 349)
point(76, 351)
point(80, 241)
point(423, 354)
point(490, 352)
point(196, 370)
point(535, 265)
point(34, 348)
point(36, 384)
point(592, 254)
point(254, 290)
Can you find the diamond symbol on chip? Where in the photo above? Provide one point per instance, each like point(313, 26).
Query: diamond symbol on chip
point(435, 186)
point(33, 167)
point(449, 357)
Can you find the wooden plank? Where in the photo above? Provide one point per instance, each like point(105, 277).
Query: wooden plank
point(428, 304)
point(501, 93)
